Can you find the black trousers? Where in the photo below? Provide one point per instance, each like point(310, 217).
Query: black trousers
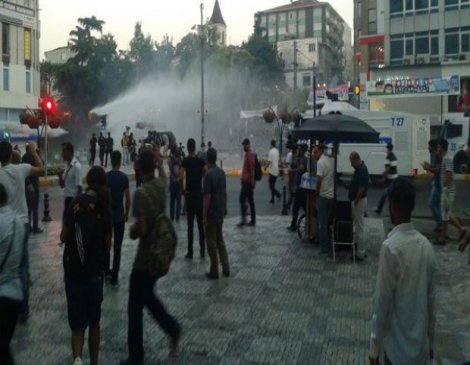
point(299, 202)
point(108, 153)
point(118, 233)
point(92, 158)
point(272, 187)
point(101, 152)
point(247, 194)
point(194, 209)
point(9, 310)
point(141, 295)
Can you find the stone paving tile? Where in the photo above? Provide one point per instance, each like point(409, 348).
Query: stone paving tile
point(283, 304)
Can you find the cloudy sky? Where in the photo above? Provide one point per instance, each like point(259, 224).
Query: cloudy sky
point(173, 17)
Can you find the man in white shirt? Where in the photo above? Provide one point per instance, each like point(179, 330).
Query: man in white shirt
point(273, 165)
point(403, 320)
point(13, 177)
point(71, 178)
point(325, 196)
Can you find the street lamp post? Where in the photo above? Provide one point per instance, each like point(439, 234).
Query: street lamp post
point(202, 35)
point(314, 84)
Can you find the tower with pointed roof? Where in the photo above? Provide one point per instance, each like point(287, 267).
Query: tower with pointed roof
point(217, 23)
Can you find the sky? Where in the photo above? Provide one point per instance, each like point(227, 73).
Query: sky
point(172, 17)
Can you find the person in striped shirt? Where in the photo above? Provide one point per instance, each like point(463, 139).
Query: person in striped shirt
point(390, 174)
point(447, 194)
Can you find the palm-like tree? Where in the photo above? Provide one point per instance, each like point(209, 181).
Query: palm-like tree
point(81, 40)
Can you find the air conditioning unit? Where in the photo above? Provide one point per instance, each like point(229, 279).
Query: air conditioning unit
point(423, 59)
point(409, 60)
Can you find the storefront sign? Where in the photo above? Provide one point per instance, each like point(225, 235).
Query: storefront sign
point(413, 86)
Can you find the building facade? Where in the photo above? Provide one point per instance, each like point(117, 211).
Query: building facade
point(59, 55)
point(309, 35)
point(19, 64)
point(423, 39)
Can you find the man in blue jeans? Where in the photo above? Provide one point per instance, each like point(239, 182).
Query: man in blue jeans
point(149, 201)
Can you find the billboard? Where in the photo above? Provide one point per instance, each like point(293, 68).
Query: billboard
point(404, 86)
point(341, 90)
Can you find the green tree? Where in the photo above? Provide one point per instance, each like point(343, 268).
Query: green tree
point(142, 52)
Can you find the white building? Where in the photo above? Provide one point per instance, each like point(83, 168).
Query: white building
point(59, 55)
point(318, 34)
point(19, 64)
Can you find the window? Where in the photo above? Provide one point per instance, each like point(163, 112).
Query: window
point(457, 41)
point(372, 27)
point(422, 44)
point(5, 39)
point(311, 47)
point(396, 49)
point(27, 47)
point(396, 6)
point(434, 45)
point(28, 82)
point(456, 4)
point(6, 79)
point(306, 80)
point(410, 7)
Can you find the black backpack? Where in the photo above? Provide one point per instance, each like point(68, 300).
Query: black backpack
point(83, 245)
point(258, 171)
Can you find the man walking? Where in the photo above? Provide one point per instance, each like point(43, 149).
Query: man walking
point(215, 208)
point(109, 148)
point(358, 197)
point(71, 179)
point(248, 183)
point(390, 173)
point(447, 194)
point(93, 142)
point(404, 318)
point(194, 168)
point(298, 167)
point(118, 183)
point(102, 148)
point(125, 148)
point(435, 199)
point(149, 201)
point(13, 177)
point(273, 165)
point(325, 195)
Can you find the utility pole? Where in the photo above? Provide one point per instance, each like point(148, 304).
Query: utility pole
point(295, 67)
point(314, 88)
point(202, 35)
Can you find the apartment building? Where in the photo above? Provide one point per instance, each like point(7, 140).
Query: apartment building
point(310, 37)
point(19, 64)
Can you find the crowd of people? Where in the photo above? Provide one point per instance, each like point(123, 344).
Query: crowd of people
point(94, 217)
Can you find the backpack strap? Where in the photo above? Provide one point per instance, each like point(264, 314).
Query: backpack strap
point(9, 247)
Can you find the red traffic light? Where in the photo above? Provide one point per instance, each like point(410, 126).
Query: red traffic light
point(48, 105)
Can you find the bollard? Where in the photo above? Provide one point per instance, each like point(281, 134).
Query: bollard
point(46, 217)
point(285, 211)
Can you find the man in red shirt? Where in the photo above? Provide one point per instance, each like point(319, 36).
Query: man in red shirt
point(248, 184)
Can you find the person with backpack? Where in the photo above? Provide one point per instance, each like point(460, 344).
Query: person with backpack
point(87, 235)
point(176, 185)
point(149, 204)
point(12, 238)
point(248, 182)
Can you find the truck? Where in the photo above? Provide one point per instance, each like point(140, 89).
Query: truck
point(409, 133)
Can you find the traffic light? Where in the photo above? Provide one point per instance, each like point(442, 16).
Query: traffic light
point(48, 105)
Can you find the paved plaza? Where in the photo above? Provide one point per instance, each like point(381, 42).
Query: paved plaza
point(283, 304)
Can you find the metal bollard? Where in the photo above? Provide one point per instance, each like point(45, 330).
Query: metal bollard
point(46, 217)
point(285, 211)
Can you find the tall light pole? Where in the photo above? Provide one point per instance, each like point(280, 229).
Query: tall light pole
point(314, 84)
point(202, 35)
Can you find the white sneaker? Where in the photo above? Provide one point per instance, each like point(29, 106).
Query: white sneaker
point(77, 361)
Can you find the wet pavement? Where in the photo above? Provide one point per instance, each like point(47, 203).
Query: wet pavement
point(283, 304)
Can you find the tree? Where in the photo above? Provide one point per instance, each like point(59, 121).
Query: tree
point(82, 41)
point(142, 52)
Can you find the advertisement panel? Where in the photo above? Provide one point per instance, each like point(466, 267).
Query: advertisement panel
point(401, 86)
point(341, 90)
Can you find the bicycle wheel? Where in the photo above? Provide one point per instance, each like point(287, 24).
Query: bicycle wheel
point(301, 226)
